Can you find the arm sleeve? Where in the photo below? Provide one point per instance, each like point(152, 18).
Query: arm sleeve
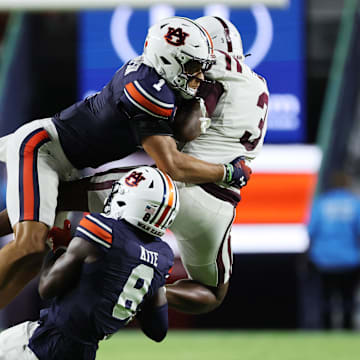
point(151, 108)
point(147, 126)
point(154, 321)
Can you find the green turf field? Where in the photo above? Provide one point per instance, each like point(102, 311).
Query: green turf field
point(233, 345)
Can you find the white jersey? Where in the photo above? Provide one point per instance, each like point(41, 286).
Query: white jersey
point(238, 124)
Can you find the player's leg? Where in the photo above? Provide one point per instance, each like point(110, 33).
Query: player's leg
point(3, 146)
point(202, 229)
point(13, 342)
point(21, 259)
point(88, 194)
point(348, 289)
point(192, 297)
point(5, 226)
point(33, 165)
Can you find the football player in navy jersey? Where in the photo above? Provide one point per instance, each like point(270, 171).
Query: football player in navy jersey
point(113, 270)
point(135, 109)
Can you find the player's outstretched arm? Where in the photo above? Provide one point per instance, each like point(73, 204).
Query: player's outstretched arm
point(181, 167)
point(153, 318)
point(60, 273)
point(185, 168)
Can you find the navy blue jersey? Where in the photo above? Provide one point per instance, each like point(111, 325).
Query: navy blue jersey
point(111, 290)
point(111, 124)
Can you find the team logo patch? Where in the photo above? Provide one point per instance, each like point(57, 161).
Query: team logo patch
point(176, 36)
point(134, 178)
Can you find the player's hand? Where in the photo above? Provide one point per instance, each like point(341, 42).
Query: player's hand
point(205, 123)
point(60, 238)
point(237, 173)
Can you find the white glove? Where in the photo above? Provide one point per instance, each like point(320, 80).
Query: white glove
point(205, 123)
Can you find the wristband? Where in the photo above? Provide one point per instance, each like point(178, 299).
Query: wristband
point(224, 176)
point(228, 171)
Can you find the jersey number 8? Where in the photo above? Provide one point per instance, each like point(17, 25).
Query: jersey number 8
point(133, 292)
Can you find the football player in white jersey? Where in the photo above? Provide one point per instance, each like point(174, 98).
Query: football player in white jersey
point(238, 126)
point(203, 225)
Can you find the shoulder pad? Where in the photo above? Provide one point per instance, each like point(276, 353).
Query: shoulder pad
point(152, 95)
point(96, 228)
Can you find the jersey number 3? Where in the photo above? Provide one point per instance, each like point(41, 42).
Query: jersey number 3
point(133, 292)
point(245, 139)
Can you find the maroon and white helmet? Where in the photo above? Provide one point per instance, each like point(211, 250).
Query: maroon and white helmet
point(173, 42)
point(146, 198)
point(224, 35)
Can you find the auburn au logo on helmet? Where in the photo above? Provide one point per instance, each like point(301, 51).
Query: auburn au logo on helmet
point(176, 36)
point(134, 178)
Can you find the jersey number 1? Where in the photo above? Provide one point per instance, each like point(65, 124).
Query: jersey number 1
point(159, 85)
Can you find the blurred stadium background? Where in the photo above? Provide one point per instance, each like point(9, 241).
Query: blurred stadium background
point(54, 53)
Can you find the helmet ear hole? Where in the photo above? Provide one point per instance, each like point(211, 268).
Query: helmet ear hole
point(121, 203)
point(151, 186)
point(165, 60)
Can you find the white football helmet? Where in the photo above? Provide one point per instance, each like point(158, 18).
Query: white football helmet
point(173, 42)
point(146, 198)
point(224, 35)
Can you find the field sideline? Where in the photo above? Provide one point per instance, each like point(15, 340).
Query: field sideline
point(233, 345)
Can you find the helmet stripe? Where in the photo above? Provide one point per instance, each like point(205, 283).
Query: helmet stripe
point(209, 40)
point(173, 208)
point(204, 31)
point(170, 201)
point(163, 200)
point(227, 33)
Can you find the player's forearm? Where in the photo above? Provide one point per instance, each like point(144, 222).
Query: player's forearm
point(154, 322)
point(189, 169)
point(181, 167)
point(46, 282)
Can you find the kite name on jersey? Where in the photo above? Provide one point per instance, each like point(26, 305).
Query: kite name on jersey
point(149, 256)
